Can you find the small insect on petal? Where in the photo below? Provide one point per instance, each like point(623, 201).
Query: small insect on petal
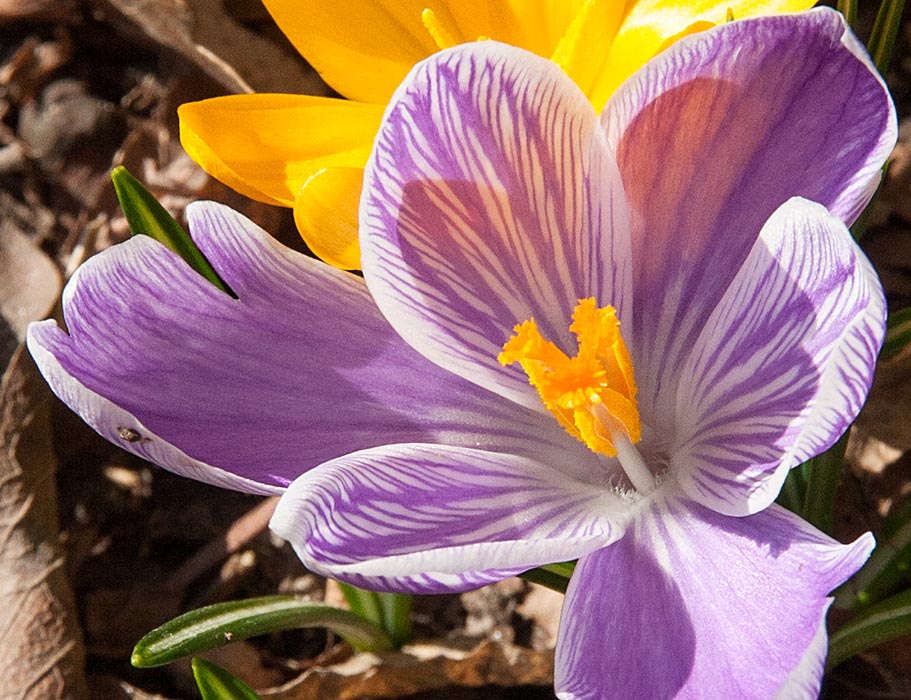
point(131, 435)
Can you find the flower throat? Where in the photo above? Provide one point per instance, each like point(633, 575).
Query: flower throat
point(592, 395)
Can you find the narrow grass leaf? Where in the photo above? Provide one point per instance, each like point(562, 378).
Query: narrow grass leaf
point(216, 625)
point(146, 216)
point(887, 568)
point(823, 475)
point(885, 30)
point(794, 491)
point(898, 334)
point(215, 683)
point(849, 9)
point(545, 578)
point(880, 623)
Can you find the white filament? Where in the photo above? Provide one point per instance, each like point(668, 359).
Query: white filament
point(633, 465)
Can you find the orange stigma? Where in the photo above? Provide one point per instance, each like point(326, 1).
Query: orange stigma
point(592, 395)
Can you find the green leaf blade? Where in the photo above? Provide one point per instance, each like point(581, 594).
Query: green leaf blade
point(885, 30)
point(888, 567)
point(878, 624)
point(215, 683)
point(146, 216)
point(898, 334)
point(554, 576)
point(794, 491)
point(216, 625)
point(849, 9)
point(823, 474)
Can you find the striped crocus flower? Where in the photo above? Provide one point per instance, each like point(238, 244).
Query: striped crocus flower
point(309, 152)
point(578, 336)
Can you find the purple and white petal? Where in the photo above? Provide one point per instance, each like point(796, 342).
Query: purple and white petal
point(712, 136)
point(429, 519)
point(491, 197)
point(122, 427)
point(302, 368)
point(783, 364)
point(690, 603)
point(805, 679)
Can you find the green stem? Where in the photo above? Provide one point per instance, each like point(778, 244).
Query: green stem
point(363, 603)
point(822, 483)
point(396, 611)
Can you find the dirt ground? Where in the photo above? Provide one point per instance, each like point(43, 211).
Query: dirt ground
point(86, 85)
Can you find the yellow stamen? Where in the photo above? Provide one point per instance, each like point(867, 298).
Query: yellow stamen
point(569, 43)
point(443, 39)
point(592, 395)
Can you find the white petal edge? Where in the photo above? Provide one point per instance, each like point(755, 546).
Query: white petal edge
point(375, 500)
point(847, 364)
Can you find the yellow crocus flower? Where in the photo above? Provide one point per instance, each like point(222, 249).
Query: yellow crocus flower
point(309, 152)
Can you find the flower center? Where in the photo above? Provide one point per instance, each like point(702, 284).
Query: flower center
point(592, 395)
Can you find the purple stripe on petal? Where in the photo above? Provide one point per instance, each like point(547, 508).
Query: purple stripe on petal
point(717, 132)
point(491, 197)
point(782, 365)
point(427, 518)
point(301, 369)
point(690, 603)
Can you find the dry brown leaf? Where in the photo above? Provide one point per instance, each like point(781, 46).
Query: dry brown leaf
point(885, 414)
point(543, 607)
point(421, 668)
point(41, 652)
point(17, 10)
point(202, 32)
point(29, 287)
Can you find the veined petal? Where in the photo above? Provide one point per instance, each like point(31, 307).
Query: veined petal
point(651, 25)
point(302, 368)
point(124, 428)
point(713, 136)
point(491, 198)
point(805, 679)
point(657, 606)
point(365, 49)
point(429, 518)
point(266, 146)
point(783, 364)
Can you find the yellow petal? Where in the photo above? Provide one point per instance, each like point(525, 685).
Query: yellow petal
point(266, 146)
point(535, 25)
point(584, 48)
point(364, 48)
point(325, 212)
point(647, 27)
